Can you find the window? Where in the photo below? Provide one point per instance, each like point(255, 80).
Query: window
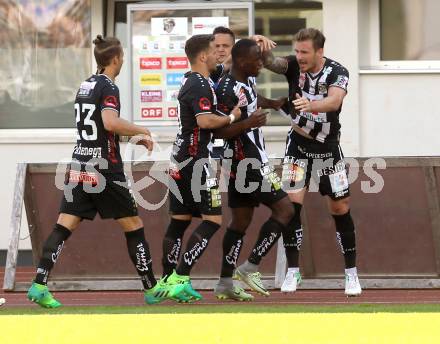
point(45, 53)
point(409, 30)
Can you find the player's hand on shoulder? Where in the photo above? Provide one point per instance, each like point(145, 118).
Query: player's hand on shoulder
point(258, 118)
point(264, 42)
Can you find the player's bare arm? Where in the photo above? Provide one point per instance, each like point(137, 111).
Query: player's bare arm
point(256, 120)
point(331, 103)
point(267, 103)
point(212, 121)
point(275, 64)
point(122, 127)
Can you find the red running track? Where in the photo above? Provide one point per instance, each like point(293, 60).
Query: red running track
point(301, 297)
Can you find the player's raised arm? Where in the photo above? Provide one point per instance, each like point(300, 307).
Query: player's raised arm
point(263, 42)
point(275, 64)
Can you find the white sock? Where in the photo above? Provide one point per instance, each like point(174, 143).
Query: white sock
point(292, 270)
point(351, 271)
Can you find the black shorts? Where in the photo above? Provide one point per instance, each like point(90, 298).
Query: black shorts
point(305, 159)
point(194, 198)
point(251, 187)
point(113, 202)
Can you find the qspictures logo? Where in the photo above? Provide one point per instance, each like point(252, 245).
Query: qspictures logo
point(364, 172)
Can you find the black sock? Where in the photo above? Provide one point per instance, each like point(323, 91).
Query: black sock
point(51, 251)
point(292, 238)
point(232, 244)
point(197, 243)
point(172, 244)
point(269, 234)
point(140, 256)
point(346, 237)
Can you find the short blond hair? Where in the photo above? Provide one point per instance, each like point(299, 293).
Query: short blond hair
point(312, 34)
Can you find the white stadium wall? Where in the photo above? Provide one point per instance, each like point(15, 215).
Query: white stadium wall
point(399, 115)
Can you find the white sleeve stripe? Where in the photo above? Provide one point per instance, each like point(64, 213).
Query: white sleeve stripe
point(109, 108)
point(203, 113)
point(222, 113)
point(338, 86)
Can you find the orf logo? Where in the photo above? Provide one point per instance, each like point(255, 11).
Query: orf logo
point(150, 63)
point(177, 63)
point(151, 112)
point(172, 112)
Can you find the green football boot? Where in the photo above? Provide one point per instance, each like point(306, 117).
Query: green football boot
point(253, 280)
point(164, 291)
point(41, 295)
point(175, 279)
point(232, 293)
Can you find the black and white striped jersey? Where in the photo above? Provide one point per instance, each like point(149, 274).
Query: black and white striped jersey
point(322, 126)
point(196, 97)
point(230, 93)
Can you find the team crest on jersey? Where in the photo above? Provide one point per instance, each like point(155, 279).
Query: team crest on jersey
point(322, 87)
point(204, 104)
point(111, 101)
